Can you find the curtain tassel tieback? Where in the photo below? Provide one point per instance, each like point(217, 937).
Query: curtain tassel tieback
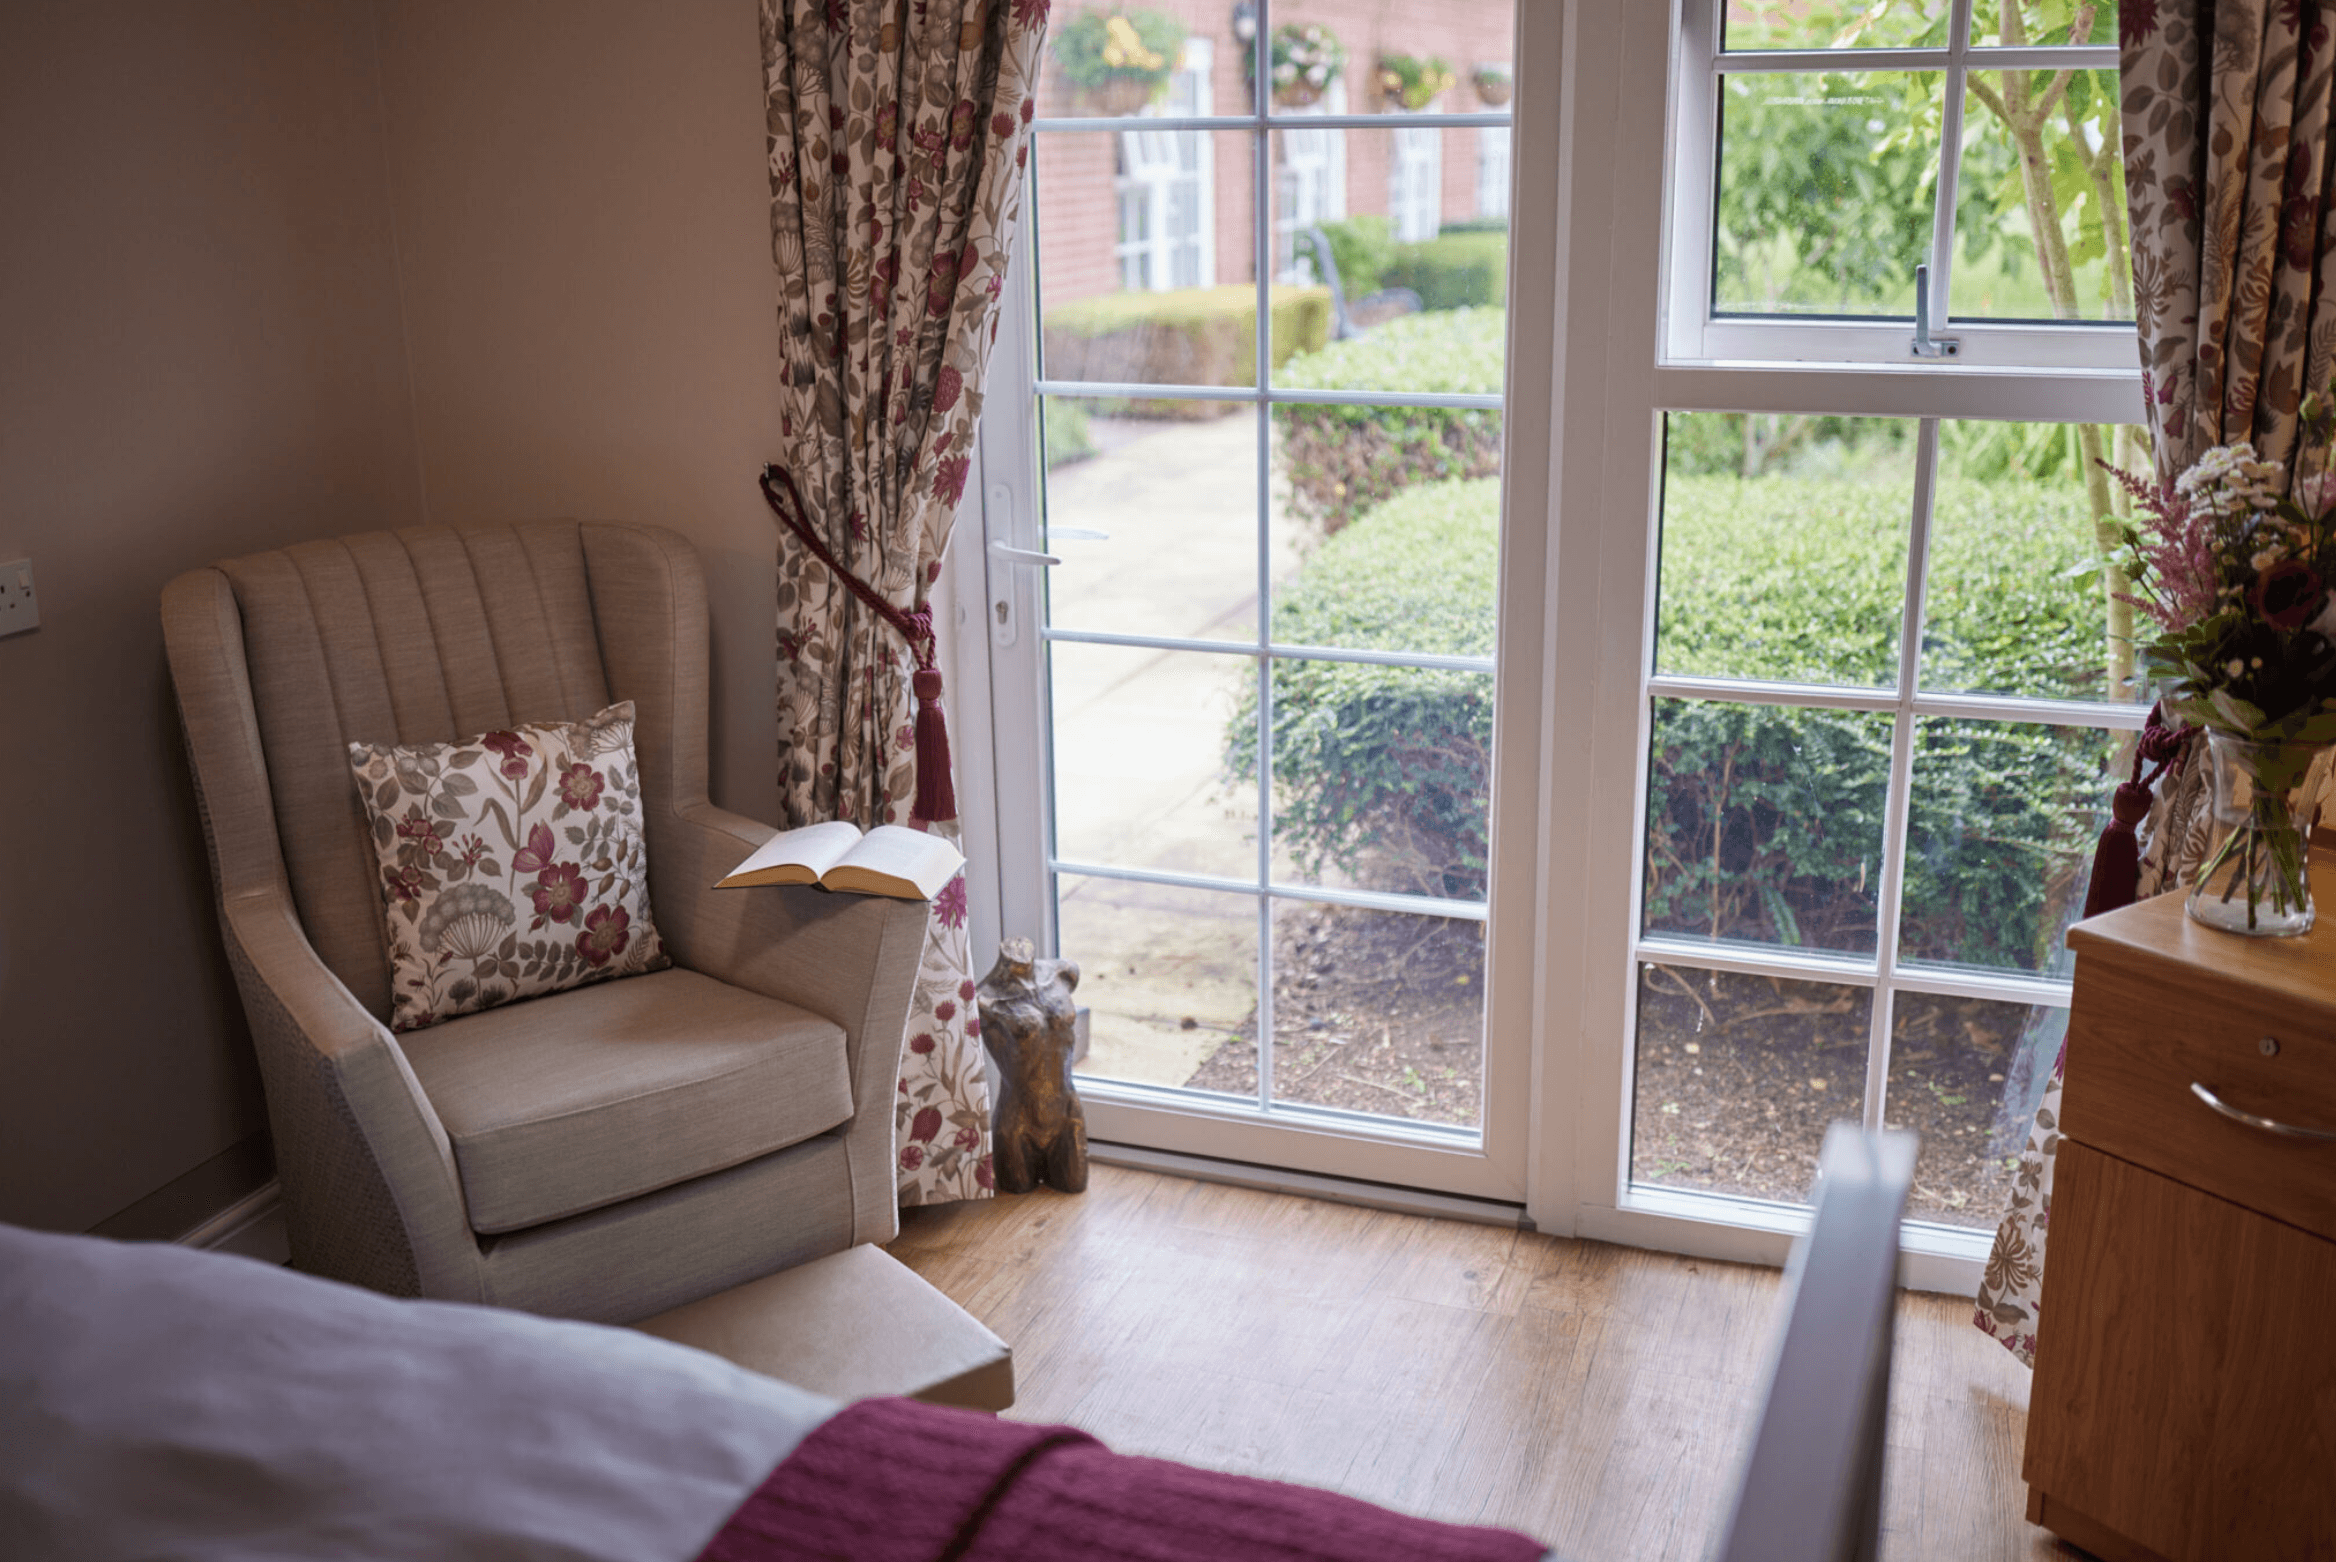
point(2117, 859)
point(936, 797)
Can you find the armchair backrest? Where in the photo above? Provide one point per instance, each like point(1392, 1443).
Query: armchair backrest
point(419, 636)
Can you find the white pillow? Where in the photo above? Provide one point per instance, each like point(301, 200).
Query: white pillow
point(161, 1402)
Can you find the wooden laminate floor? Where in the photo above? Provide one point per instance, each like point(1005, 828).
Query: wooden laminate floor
point(1591, 1395)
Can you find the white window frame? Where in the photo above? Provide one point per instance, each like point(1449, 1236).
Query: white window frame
point(1157, 165)
point(1009, 834)
point(1627, 191)
point(1415, 180)
point(1691, 334)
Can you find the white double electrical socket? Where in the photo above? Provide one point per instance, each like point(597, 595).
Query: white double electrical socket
point(20, 607)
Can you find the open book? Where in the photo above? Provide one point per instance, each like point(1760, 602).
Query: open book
point(889, 860)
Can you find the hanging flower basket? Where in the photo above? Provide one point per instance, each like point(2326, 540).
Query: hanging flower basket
point(1409, 82)
point(1494, 85)
point(1306, 58)
point(1119, 63)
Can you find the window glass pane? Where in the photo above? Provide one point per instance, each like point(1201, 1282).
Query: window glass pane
point(1966, 1075)
point(1146, 267)
point(1421, 264)
point(1738, 1077)
point(1849, 24)
point(1393, 54)
point(1386, 551)
point(1140, 738)
point(2040, 226)
point(1764, 823)
point(2008, 606)
point(2042, 22)
point(1176, 501)
point(1784, 547)
point(1382, 776)
point(1373, 1011)
point(2000, 832)
point(1168, 975)
point(1825, 191)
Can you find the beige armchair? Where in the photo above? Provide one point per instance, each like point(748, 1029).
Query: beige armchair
point(605, 1153)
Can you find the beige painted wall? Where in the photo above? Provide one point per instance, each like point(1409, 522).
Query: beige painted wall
point(199, 356)
point(583, 235)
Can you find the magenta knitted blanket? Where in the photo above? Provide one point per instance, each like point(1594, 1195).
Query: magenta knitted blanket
point(892, 1480)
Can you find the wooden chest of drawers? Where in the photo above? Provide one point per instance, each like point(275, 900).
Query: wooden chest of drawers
point(2184, 1404)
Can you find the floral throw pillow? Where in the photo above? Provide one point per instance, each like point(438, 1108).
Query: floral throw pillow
point(512, 864)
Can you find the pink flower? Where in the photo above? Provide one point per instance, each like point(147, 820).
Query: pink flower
point(424, 832)
point(580, 786)
point(965, 989)
point(967, 1139)
point(925, 1124)
point(982, 1173)
point(912, 1157)
point(514, 750)
point(961, 120)
point(949, 905)
point(949, 479)
point(536, 855)
point(404, 883)
point(944, 1011)
point(2287, 594)
point(921, 1043)
point(946, 385)
point(559, 893)
point(1001, 124)
point(605, 934)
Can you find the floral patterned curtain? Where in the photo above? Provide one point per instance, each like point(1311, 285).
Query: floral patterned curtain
point(2226, 107)
point(898, 133)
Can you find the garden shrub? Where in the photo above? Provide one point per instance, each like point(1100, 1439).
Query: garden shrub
point(1362, 248)
point(1454, 270)
point(1763, 819)
point(1340, 461)
point(1067, 436)
point(1192, 336)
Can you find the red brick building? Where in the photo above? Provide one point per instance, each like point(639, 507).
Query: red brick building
point(1157, 210)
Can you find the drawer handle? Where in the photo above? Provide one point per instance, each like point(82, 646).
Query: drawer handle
point(2318, 1135)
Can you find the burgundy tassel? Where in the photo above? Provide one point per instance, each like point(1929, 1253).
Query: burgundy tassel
point(936, 797)
point(2117, 860)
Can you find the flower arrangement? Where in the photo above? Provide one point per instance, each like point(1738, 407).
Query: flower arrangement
point(1306, 58)
point(1412, 82)
point(1494, 85)
point(2231, 565)
point(1120, 62)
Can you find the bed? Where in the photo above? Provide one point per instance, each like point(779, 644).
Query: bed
point(160, 1402)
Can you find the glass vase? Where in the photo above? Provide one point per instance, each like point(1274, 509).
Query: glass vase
point(2256, 879)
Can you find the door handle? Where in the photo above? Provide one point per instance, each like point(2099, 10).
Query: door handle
point(2268, 1125)
point(1022, 555)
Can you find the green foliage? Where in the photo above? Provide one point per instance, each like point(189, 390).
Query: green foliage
point(1362, 248)
point(1340, 461)
point(1764, 821)
point(1193, 336)
point(1103, 49)
point(1068, 438)
point(1382, 769)
point(1454, 270)
point(1411, 82)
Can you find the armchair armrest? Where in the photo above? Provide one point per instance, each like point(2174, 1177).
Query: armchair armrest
point(851, 959)
point(371, 1194)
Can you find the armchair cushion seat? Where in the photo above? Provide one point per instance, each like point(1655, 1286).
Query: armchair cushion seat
point(566, 1103)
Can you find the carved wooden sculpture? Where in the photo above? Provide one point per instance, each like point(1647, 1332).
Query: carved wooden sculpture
point(1030, 1026)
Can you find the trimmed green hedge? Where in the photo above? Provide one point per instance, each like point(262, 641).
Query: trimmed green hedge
point(1763, 820)
point(1453, 270)
point(1363, 247)
point(1340, 461)
point(1193, 336)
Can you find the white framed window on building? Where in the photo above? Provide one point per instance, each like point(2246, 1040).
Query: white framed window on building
point(1844, 579)
point(1310, 178)
point(1492, 171)
point(1415, 181)
point(1167, 189)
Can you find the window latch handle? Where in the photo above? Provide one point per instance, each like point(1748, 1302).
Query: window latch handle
point(1924, 344)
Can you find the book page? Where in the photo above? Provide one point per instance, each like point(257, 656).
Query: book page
point(795, 856)
point(892, 860)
